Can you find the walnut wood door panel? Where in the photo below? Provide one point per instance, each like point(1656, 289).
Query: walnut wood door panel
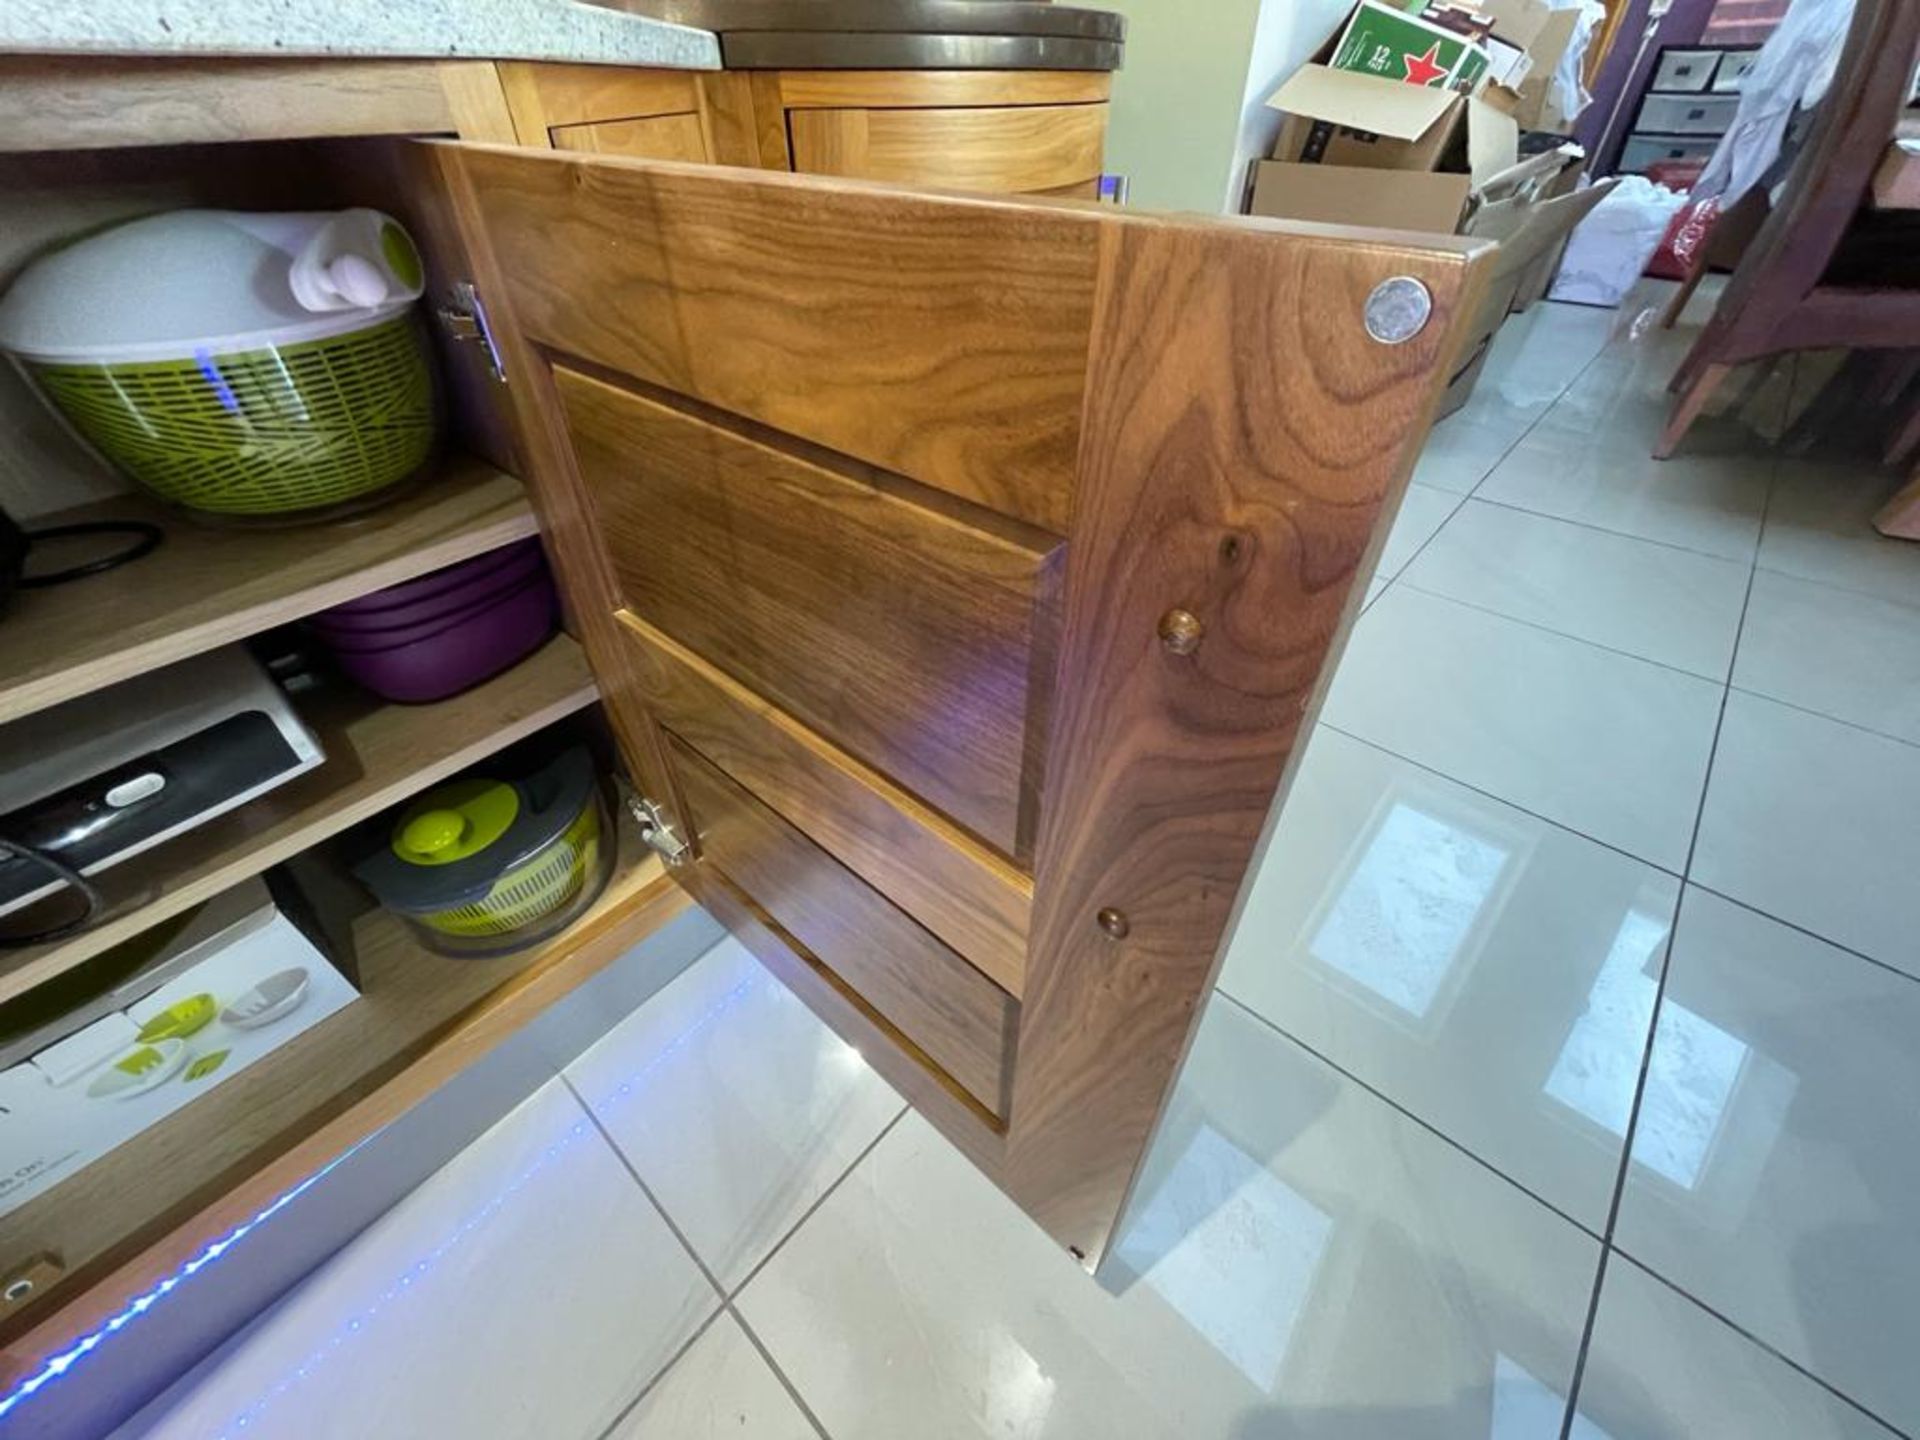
point(919, 642)
point(1218, 417)
point(973, 899)
point(962, 1020)
point(774, 301)
point(647, 137)
point(1014, 147)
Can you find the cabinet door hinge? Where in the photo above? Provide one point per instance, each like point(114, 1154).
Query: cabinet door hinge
point(655, 828)
point(464, 317)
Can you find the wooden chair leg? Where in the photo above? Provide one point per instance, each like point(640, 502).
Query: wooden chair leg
point(1900, 516)
point(1696, 272)
point(1905, 439)
point(1699, 391)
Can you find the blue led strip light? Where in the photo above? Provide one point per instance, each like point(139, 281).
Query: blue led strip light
point(59, 1364)
point(403, 1284)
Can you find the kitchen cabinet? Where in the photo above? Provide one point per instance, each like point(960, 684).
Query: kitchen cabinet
point(957, 576)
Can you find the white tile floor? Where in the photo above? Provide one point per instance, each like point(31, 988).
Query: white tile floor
point(1603, 847)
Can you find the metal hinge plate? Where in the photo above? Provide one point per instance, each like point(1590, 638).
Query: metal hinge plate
point(464, 317)
point(655, 828)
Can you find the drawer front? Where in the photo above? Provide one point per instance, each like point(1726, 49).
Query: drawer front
point(1685, 69)
point(1011, 147)
point(970, 897)
point(648, 137)
point(1641, 151)
point(962, 1021)
point(1687, 114)
point(915, 641)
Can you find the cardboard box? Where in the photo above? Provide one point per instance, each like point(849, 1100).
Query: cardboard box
point(94, 1089)
point(1531, 233)
point(1392, 44)
point(1407, 157)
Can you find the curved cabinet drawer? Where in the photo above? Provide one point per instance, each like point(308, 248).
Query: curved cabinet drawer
point(988, 147)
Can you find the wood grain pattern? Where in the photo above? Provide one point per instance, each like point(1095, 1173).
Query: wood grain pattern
point(943, 339)
point(903, 635)
point(133, 1217)
point(850, 89)
point(477, 101)
point(971, 898)
point(543, 95)
point(946, 1007)
point(1245, 439)
point(59, 102)
point(377, 754)
point(1013, 148)
point(656, 137)
point(205, 587)
point(1238, 445)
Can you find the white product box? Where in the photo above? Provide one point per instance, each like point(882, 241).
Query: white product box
point(252, 983)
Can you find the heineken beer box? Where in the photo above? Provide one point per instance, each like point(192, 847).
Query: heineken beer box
point(1396, 45)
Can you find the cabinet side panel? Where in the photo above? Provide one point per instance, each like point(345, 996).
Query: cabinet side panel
point(1242, 437)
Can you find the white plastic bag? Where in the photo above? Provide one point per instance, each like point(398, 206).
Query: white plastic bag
point(1610, 248)
point(1565, 93)
point(1794, 68)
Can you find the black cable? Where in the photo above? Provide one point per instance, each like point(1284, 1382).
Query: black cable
point(146, 538)
point(89, 893)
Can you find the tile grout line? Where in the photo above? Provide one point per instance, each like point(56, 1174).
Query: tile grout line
point(1746, 1334)
point(1659, 1001)
point(1621, 534)
point(1823, 715)
point(825, 1195)
point(1559, 825)
point(1798, 929)
point(1403, 1111)
point(1720, 680)
point(725, 1297)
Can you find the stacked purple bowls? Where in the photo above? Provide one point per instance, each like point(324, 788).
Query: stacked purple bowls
point(429, 638)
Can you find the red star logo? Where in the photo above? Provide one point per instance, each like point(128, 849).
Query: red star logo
point(1424, 69)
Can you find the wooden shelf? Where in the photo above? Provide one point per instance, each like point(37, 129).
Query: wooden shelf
point(376, 754)
point(205, 587)
point(422, 1017)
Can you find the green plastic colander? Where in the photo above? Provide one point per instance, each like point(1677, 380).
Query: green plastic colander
point(315, 424)
point(237, 364)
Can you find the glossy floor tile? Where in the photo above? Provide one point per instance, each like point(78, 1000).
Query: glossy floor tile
point(528, 1289)
point(736, 1107)
point(1842, 653)
point(1603, 743)
point(1777, 1154)
point(1820, 527)
point(1303, 1262)
point(1662, 1368)
point(1490, 972)
point(1422, 512)
point(1816, 823)
point(1709, 503)
point(720, 1389)
point(1676, 607)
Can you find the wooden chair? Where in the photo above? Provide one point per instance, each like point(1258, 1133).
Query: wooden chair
point(1782, 296)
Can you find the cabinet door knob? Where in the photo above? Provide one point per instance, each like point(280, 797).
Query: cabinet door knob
point(1114, 922)
point(1180, 631)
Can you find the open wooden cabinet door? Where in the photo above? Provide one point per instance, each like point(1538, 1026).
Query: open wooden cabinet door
point(960, 574)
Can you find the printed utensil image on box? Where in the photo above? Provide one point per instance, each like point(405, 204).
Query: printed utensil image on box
point(481, 866)
point(243, 366)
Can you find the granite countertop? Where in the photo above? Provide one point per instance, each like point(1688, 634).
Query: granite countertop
point(367, 29)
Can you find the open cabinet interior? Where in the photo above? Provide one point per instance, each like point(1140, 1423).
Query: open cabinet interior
point(952, 576)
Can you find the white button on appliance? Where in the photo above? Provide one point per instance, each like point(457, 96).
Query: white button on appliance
point(127, 792)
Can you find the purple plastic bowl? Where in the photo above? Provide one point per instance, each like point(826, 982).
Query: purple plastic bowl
point(451, 604)
point(423, 587)
point(461, 656)
point(372, 641)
